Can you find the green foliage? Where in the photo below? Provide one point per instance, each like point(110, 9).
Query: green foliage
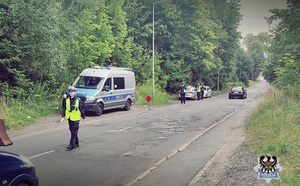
point(51, 42)
point(144, 90)
point(283, 65)
point(274, 129)
point(257, 50)
point(42, 102)
point(46, 44)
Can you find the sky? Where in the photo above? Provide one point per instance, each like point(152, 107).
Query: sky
point(254, 11)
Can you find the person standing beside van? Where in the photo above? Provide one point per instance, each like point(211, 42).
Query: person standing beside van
point(73, 111)
point(182, 91)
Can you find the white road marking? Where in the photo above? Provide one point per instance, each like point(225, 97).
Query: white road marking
point(141, 176)
point(120, 130)
point(185, 110)
point(38, 155)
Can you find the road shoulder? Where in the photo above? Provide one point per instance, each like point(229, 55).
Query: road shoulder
point(230, 165)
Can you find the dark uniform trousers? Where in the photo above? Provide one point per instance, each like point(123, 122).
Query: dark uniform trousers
point(73, 127)
point(182, 97)
point(199, 95)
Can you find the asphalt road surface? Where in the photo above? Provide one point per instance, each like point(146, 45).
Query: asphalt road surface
point(167, 145)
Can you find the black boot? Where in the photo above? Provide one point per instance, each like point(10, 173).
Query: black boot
point(70, 147)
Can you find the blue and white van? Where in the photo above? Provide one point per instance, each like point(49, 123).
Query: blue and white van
point(104, 88)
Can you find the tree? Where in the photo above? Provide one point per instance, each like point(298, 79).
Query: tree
point(283, 66)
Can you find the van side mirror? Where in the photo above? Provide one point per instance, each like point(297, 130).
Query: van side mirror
point(106, 88)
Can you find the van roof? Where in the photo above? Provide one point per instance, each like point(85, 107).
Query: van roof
point(97, 71)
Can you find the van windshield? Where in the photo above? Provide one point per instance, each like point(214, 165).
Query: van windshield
point(89, 82)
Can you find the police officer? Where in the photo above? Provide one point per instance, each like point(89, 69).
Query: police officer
point(73, 111)
point(202, 91)
point(182, 91)
point(198, 91)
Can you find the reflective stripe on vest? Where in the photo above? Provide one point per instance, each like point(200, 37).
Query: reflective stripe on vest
point(75, 114)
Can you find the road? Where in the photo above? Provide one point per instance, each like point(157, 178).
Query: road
point(167, 145)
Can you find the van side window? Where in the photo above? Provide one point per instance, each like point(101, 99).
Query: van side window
point(107, 83)
point(119, 83)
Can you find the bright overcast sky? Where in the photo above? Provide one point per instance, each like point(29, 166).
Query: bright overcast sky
point(254, 11)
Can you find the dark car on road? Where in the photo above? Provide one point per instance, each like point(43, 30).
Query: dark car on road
point(237, 92)
point(16, 170)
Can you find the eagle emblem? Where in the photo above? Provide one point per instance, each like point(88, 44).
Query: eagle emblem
point(268, 164)
point(268, 167)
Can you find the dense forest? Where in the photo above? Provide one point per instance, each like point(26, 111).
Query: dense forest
point(50, 42)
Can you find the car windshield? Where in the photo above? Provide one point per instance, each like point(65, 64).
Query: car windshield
point(236, 89)
point(89, 82)
point(189, 89)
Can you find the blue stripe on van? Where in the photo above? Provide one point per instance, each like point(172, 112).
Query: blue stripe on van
point(116, 97)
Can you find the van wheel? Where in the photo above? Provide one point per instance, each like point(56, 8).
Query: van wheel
point(99, 110)
point(127, 105)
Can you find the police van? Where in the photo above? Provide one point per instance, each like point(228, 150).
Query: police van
point(103, 88)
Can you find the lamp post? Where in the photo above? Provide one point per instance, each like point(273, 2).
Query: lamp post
point(218, 85)
point(153, 46)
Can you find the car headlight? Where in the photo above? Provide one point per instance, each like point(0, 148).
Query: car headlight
point(89, 98)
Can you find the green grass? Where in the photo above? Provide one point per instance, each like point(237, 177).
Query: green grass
point(274, 128)
point(20, 113)
point(159, 98)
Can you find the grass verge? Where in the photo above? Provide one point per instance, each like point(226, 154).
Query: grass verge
point(160, 97)
point(20, 113)
point(274, 128)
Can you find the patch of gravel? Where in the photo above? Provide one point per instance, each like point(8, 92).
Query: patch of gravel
point(240, 170)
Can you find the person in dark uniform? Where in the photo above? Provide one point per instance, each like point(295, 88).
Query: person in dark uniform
point(73, 111)
point(202, 91)
point(182, 90)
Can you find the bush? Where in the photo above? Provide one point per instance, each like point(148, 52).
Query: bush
point(144, 90)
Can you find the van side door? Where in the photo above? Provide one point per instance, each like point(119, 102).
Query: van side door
point(107, 93)
point(119, 91)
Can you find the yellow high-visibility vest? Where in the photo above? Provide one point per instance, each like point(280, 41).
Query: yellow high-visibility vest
point(75, 114)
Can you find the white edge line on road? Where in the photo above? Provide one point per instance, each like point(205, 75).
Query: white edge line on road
point(185, 110)
point(38, 155)
point(145, 173)
point(199, 174)
point(120, 130)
